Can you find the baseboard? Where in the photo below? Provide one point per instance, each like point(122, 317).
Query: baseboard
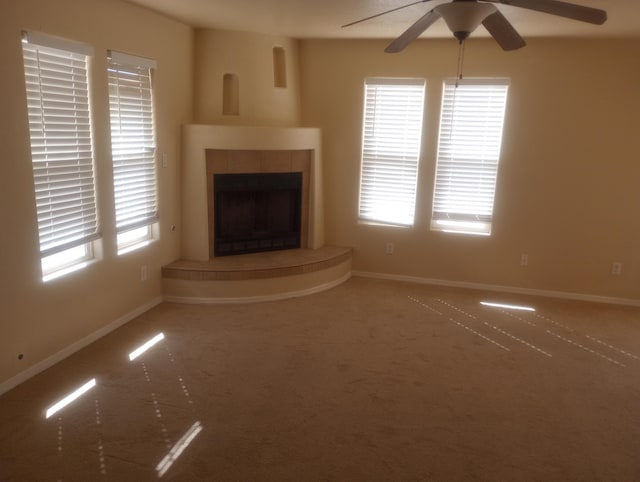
point(74, 347)
point(502, 289)
point(258, 299)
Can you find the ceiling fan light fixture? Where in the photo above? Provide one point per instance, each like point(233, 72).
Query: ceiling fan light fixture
point(463, 17)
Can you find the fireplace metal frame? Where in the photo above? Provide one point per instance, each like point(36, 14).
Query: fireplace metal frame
point(233, 161)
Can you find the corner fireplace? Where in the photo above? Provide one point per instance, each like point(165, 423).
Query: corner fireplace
point(255, 212)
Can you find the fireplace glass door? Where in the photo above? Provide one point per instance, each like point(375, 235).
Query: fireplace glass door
point(256, 212)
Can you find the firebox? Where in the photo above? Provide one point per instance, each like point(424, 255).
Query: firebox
point(256, 212)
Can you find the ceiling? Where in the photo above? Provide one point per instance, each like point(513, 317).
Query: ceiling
point(323, 18)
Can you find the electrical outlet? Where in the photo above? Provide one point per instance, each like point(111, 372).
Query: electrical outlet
point(616, 267)
point(524, 259)
point(143, 272)
point(165, 162)
point(389, 248)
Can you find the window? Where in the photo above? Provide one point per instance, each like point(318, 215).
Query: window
point(390, 150)
point(56, 80)
point(468, 152)
point(133, 149)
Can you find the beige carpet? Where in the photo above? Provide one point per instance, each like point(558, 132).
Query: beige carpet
point(370, 381)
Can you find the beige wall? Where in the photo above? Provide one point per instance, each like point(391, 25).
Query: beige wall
point(250, 57)
point(36, 319)
point(568, 185)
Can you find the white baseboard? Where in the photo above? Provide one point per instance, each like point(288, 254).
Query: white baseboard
point(258, 299)
point(502, 289)
point(74, 347)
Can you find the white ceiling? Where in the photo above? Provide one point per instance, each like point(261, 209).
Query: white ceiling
point(324, 18)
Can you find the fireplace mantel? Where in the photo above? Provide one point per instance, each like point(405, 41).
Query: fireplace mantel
point(197, 139)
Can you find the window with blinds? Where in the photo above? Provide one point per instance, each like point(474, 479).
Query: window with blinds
point(56, 80)
point(392, 133)
point(133, 148)
point(468, 152)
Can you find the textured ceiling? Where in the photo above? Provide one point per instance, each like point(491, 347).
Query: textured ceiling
point(323, 18)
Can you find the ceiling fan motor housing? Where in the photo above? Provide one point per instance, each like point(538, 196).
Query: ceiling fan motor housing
point(464, 16)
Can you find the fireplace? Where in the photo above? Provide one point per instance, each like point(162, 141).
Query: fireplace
point(257, 200)
point(255, 212)
point(209, 150)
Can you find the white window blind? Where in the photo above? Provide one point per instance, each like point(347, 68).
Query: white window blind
point(391, 149)
point(132, 141)
point(468, 152)
point(56, 78)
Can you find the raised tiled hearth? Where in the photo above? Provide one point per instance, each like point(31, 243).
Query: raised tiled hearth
point(257, 276)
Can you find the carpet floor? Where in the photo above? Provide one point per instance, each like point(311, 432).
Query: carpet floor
point(370, 381)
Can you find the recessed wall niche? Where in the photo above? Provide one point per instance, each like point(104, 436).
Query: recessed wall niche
point(230, 94)
point(279, 67)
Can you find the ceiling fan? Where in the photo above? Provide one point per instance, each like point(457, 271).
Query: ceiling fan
point(464, 16)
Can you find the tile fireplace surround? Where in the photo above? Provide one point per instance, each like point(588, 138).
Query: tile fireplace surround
point(209, 149)
point(199, 277)
point(233, 161)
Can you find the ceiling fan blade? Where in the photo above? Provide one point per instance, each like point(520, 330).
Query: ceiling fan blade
point(503, 32)
point(412, 32)
point(384, 13)
point(562, 9)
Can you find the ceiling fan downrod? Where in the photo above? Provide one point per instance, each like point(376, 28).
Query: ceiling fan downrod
point(461, 44)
